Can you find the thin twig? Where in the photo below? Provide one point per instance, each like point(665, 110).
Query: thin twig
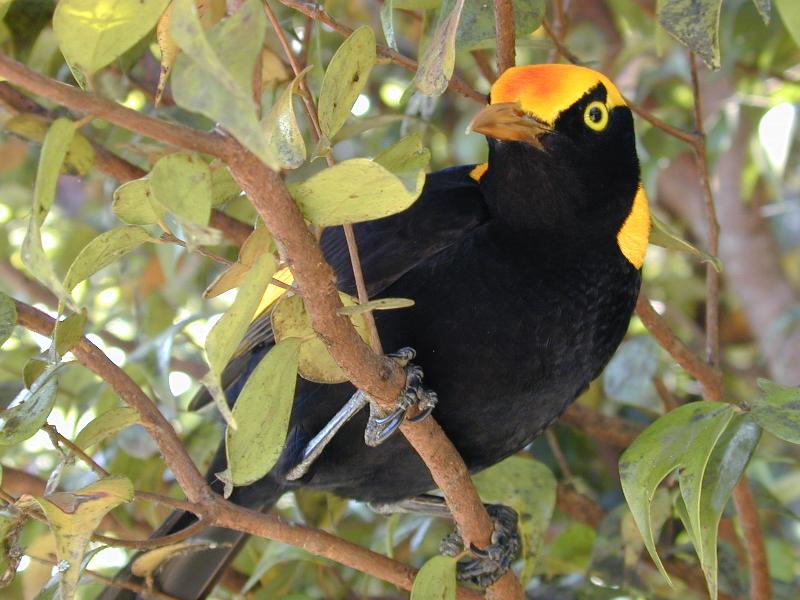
point(316, 12)
point(59, 439)
point(505, 29)
point(484, 65)
point(171, 239)
point(558, 454)
point(156, 542)
point(137, 588)
point(746, 508)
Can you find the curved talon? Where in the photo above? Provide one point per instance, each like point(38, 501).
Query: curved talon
point(421, 416)
point(479, 552)
point(384, 427)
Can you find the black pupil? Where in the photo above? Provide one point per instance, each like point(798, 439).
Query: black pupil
point(595, 114)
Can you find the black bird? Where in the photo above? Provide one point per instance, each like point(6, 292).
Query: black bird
point(524, 272)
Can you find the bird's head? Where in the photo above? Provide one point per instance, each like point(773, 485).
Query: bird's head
point(562, 152)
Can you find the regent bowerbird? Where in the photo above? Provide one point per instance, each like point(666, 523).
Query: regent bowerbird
point(524, 272)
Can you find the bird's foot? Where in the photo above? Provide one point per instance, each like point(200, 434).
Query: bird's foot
point(492, 562)
point(380, 427)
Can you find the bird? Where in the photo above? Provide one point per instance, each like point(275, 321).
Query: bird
point(524, 272)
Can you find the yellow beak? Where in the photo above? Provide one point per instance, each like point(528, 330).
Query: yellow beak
point(507, 121)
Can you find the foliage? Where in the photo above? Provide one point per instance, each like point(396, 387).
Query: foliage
point(129, 249)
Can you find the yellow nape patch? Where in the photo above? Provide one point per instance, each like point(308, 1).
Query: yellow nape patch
point(634, 235)
point(544, 91)
point(478, 171)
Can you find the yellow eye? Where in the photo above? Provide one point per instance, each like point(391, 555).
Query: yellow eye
point(596, 116)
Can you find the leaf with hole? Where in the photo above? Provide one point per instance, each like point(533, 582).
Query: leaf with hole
point(683, 438)
point(345, 78)
point(73, 517)
point(262, 413)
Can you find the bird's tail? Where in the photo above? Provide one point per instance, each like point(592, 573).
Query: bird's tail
point(192, 575)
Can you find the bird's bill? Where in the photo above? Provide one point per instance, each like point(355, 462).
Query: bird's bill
point(507, 121)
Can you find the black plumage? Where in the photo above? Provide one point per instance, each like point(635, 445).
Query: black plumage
point(521, 292)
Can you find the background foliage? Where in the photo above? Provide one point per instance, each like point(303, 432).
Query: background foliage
point(148, 312)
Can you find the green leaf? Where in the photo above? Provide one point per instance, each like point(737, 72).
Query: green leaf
point(214, 73)
point(695, 24)
point(10, 552)
point(181, 183)
point(262, 412)
point(763, 7)
point(134, 204)
point(528, 487)
point(91, 34)
point(436, 580)
point(283, 135)
point(406, 158)
point(353, 190)
point(106, 425)
point(69, 332)
point(379, 304)
point(256, 244)
point(778, 411)
point(4, 4)
point(30, 409)
point(291, 320)
point(570, 552)
point(224, 337)
point(73, 517)
point(223, 185)
point(104, 250)
point(725, 466)
point(684, 437)
point(663, 235)
point(80, 155)
point(439, 59)
point(477, 26)
point(344, 79)
point(789, 10)
point(54, 149)
point(8, 317)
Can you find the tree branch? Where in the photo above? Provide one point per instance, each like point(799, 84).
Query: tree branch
point(506, 33)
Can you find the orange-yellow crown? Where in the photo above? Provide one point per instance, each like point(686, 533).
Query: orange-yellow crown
point(546, 90)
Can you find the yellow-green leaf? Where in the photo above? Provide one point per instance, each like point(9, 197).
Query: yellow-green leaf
point(80, 154)
point(54, 149)
point(181, 183)
point(104, 250)
point(92, 33)
point(73, 517)
point(789, 10)
point(134, 204)
point(528, 487)
point(353, 190)
point(436, 580)
point(262, 413)
point(106, 425)
point(283, 135)
point(256, 244)
point(379, 304)
point(213, 75)
point(291, 320)
point(69, 332)
point(407, 158)
point(8, 317)
point(345, 78)
point(146, 564)
point(663, 235)
point(439, 59)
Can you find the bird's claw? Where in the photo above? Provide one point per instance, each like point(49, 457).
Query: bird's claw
point(380, 428)
point(492, 562)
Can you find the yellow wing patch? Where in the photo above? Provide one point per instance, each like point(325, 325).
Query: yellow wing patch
point(634, 235)
point(478, 171)
point(546, 90)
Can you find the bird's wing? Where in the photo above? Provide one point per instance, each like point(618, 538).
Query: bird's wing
point(450, 205)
